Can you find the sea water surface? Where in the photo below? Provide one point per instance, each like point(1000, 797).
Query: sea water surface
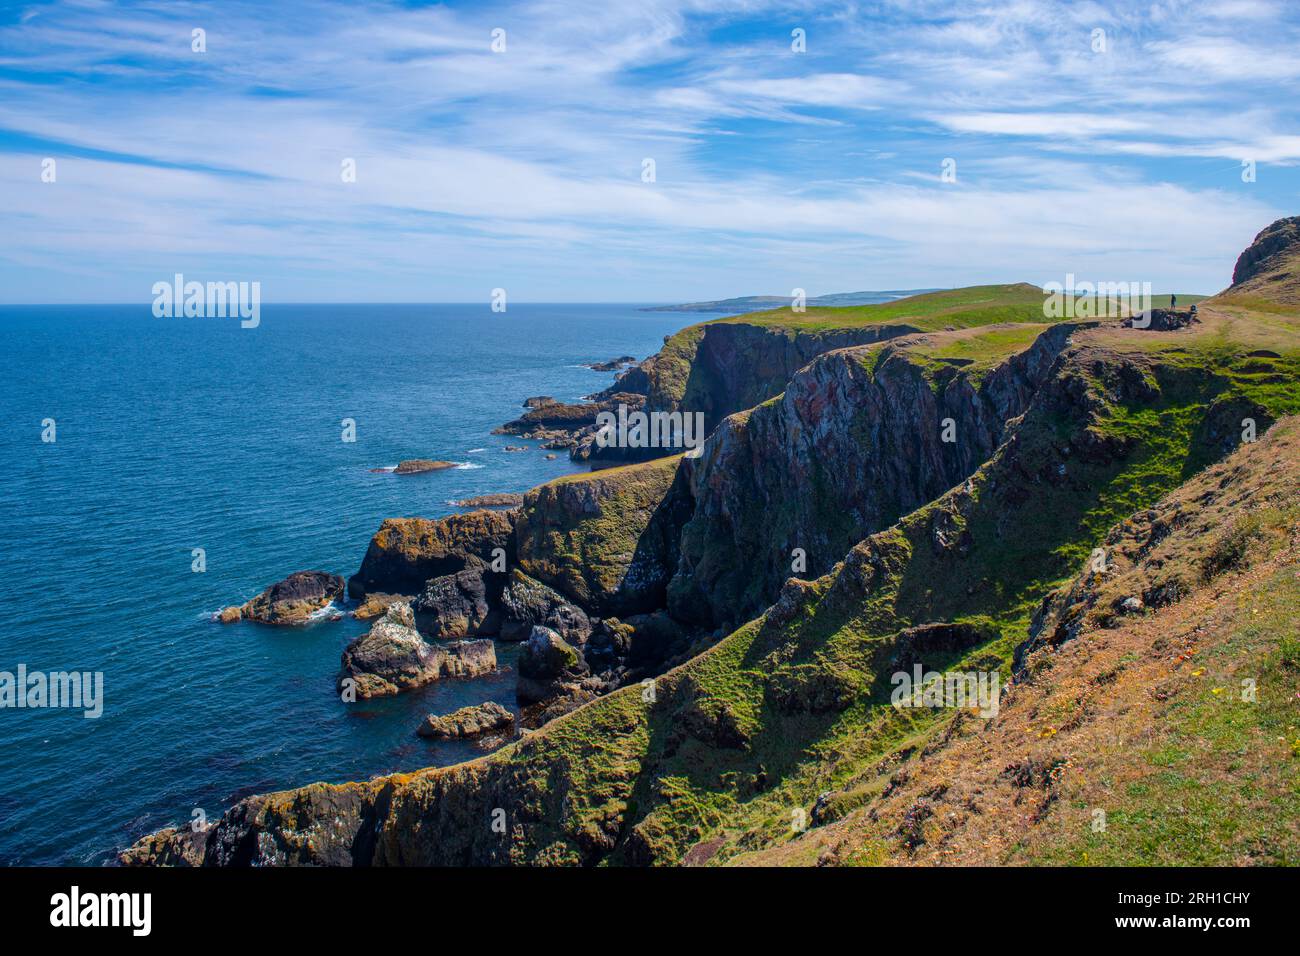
point(176, 434)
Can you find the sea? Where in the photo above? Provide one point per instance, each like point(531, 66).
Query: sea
point(131, 441)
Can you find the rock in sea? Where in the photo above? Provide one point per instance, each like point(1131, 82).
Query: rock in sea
point(291, 601)
point(393, 657)
point(467, 722)
point(414, 466)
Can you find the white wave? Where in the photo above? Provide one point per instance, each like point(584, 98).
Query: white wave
point(468, 466)
point(323, 614)
point(475, 451)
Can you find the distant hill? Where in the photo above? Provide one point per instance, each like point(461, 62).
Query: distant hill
point(753, 303)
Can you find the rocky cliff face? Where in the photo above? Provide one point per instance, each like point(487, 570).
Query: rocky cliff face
point(607, 540)
point(726, 367)
point(860, 437)
point(392, 657)
point(1056, 442)
point(595, 785)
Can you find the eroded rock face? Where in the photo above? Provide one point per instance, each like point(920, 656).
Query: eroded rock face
point(472, 721)
point(526, 603)
point(407, 552)
point(291, 601)
point(608, 540)
point(458, 605)
point(855, 442)
point(393, 657)
point(627, 649)
point(1265, 253)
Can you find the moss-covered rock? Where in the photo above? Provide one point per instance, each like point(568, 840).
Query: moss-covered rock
point(407, 552)
point(606, 540)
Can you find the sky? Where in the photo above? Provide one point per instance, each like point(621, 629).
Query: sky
point(509, 145)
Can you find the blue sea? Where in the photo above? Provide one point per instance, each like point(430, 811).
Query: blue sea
point(176, 434)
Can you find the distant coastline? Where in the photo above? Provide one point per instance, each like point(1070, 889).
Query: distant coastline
point(754, 303)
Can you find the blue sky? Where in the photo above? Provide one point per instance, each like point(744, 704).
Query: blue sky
point(1115, 155)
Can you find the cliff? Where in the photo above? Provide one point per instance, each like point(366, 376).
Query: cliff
point(607, 540)
point(858, 439)
point(776, 740)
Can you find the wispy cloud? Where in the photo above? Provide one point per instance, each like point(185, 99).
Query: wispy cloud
point(524, 168)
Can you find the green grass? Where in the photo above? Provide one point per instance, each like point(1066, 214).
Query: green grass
point(1224, 781)
point(929, 312)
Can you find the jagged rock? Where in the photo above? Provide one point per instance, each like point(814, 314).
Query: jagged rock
point(639, 644)
point(457, 605)
point(291, 601)
point(393, 657)
point(1268, 264)
point(560, 415)
point(526, 603)
point(472, 721)
point(537, 401)
point(1159, 320)
point(407, 552)
point(853, 443)
point(548, 665)
point(173, 846)
point(613, 365)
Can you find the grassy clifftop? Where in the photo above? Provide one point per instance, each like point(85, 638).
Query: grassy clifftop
point(929, 312)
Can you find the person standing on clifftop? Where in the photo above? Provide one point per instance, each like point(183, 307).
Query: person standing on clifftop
point(1173, 302)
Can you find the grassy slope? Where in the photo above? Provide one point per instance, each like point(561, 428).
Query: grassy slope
point(934, 311)
point(1140, 717)
point(957, 308)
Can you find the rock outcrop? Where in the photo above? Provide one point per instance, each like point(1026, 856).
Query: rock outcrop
point(613, 365)
point(407, 552)
point(375, 604)
point(459, 605)
point(526, 603)
point(1269, 263)
point(291, 601)
point(607, 540)
point(473, 721)
point(549, 667)
point(393, 657)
